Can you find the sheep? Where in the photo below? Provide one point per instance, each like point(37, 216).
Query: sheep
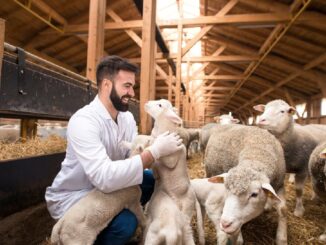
point(317, 170)
point(90, 215)
point(206, 131)
point(250, 162)
point(211, 197)
point(226, 119)
point(297, 141)
point(170, 172)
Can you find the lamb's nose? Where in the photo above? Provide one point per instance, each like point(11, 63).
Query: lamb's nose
point(226, 223)
point(262, 120)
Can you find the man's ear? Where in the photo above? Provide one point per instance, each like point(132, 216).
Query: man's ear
point(260, 108)
point(292, 110)
point(218, 178)
point(269, 190)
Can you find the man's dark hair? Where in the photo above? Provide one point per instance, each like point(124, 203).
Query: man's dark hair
point(110, 66)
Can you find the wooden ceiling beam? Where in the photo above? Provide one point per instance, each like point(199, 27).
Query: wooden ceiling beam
point(222, 58)
point(235, 19)
point(275, 36)
point(206, 29)
point(308, 66)
point(219, 77)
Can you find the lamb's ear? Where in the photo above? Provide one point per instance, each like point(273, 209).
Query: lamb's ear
point(235, 120)
point(218, 178)
point(260, 108)
point(323, 155)
point(217, 119)
point(270, 191)
point(172, 116)
point(126, 144)
point(292, 110)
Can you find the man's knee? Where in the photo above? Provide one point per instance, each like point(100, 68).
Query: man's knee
point(127, 223)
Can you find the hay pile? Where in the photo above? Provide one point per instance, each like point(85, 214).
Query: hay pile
point(262, 230)
point(32, 147)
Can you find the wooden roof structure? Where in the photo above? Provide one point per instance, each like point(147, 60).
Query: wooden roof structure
point(253, 51)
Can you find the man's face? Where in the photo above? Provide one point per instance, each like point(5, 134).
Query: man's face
point(122, 90)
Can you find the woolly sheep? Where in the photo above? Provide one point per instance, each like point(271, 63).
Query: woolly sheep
point(170, 172)
point(211, 197)
point(297, 141)
point(226, 119)
point(317, 170)
point(250, 162)
point(90, 215)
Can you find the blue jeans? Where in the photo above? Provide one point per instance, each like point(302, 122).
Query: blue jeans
point(123, 226)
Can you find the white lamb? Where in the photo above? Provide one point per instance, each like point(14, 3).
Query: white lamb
point(90, 215)
point(172, 183)
point(297, 141)
point(250, 162)
point(211, 197)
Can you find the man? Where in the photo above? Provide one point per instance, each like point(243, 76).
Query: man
point(94, 158)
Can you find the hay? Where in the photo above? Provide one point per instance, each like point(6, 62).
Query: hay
point(262, 230)
point(32, 147)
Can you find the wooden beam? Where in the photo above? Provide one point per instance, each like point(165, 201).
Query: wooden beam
point(222, 58)
point(95, 45)
point(267, 47)
point(206, 29)
point(2, 41)
point(219, 77)
point(235, 19)
point(147, 75)
point(308, 66)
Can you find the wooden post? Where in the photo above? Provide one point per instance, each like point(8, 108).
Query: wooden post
point(147, 75)
point(95, 46)
point(2, 41)
point(28, 129)
point(170, 84)
point(179, 59)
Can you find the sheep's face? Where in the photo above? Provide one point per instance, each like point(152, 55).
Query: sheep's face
point(239, 209)
point(156, 107)
point(277, 116)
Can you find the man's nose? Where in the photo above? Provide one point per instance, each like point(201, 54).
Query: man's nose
point(131, 92)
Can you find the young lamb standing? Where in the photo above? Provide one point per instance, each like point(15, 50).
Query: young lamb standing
point(297, 141)
point(317, 170)
point(250, 162)
point(171, 179)
point(90, 215)
point(211, 197)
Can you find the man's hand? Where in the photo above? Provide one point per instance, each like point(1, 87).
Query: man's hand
point(165, 144)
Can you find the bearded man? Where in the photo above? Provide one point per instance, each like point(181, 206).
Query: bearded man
point(94, 158)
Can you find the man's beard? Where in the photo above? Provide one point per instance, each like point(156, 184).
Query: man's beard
point(117, 101)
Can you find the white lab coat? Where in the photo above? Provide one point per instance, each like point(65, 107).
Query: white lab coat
point(94, 157)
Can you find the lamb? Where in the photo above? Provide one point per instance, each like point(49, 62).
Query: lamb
point(90, 215)
point(297, 141)
point(250, 162)
point(317, 170)
point(226, 119)
point(211, 197)
point(171, 179)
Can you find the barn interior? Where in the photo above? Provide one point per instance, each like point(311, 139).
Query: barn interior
point(208, 57)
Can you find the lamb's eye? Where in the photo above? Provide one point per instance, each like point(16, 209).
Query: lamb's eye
point(159, 105)
point(282, 111)
point(254, 194)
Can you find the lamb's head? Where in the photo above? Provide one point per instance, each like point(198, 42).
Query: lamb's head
point(246, 194)
point(138, 145)
point(277, 116)
point(226, 119)
point(157, 108)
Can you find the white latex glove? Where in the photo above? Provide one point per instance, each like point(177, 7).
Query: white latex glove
point(165, 144)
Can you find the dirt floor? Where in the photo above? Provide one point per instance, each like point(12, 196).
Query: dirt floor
point(33, 225)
